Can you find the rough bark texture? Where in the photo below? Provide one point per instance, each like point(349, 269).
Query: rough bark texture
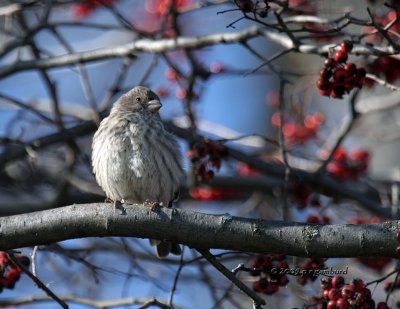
point(198, 230)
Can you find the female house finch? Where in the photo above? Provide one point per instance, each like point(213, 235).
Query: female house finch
point(134, 159)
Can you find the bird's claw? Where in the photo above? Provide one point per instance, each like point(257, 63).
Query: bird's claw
point(153, 205)
point(118, 205)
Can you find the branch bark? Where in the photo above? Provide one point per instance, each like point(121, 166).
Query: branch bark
point(198, 230)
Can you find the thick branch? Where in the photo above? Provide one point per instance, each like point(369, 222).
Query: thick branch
point(198, 230)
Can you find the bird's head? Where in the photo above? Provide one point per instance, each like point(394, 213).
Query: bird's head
point(140, 99)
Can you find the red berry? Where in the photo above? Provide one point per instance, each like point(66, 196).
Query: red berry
point(347, 291)
point(276, 119)
point(325, 74)
point(340, 154)
point(338, 282)
point(216, 67)
point(325, 93)
point(313, 219)
point(171, 75)
point(329, 63)
point(334, 294)
point(272, 288)
point(338, 91)
point(282, 281)
point(331, 304)
point(325, 294)
point(366, 293)
point(349, 84)
point(358, 284)
point(340, 57)
point(359, 155)
point(350, 68)
point(382, 305)
point(342, 304)
point(325, 87)
point(283, 264)
point(359, 82)
point(361, 72)
point(192, 155)
point(257, 286)
point(289, 129)
point(162, 92)
point(398, 250)
point(339, 75)
point(323, 84)
point(388, 286)
point(246, 6)
point(326, 220)
point(346, 46)
point(181, 93)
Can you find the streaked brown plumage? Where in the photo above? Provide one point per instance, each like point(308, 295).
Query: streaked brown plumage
point(134, 158)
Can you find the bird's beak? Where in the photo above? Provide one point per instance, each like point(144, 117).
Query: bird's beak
point(154, 106)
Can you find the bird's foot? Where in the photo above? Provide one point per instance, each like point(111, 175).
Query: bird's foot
point(153, 205)
point(118, 205)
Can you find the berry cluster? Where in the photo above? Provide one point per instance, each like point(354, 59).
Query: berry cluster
point(267, 268)
point(161, 7)
point(299, 132)
point(310, 268)
point(9, 271)
point(392, 286)
point(386, 17)
point(299, 7)
point(214, 193)
point(85, 8)
point(348, 165)
point(206, 157)
point(338, 77)
point(339, 295)
point(377, 263)
point(175, 80)
point(386, 67)
point(315, 219)
point(303, 196)
point(261, 8)
point(243, 169)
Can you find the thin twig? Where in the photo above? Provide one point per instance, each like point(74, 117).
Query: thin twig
point(258, 301)
point(35, 279)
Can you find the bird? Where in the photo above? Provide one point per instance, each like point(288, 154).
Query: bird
point(135, 159)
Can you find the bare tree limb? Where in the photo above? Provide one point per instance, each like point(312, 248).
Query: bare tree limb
point(38, 282)
point(198, 230)
point(164, 45)
point(98, 304)
point(258, 301)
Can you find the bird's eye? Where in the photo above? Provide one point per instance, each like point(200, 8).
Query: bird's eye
point(138, 99)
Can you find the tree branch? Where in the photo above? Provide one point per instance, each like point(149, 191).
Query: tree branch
point(164, 45)
point(257, 300)
point(198, 230)
point(98, 304)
